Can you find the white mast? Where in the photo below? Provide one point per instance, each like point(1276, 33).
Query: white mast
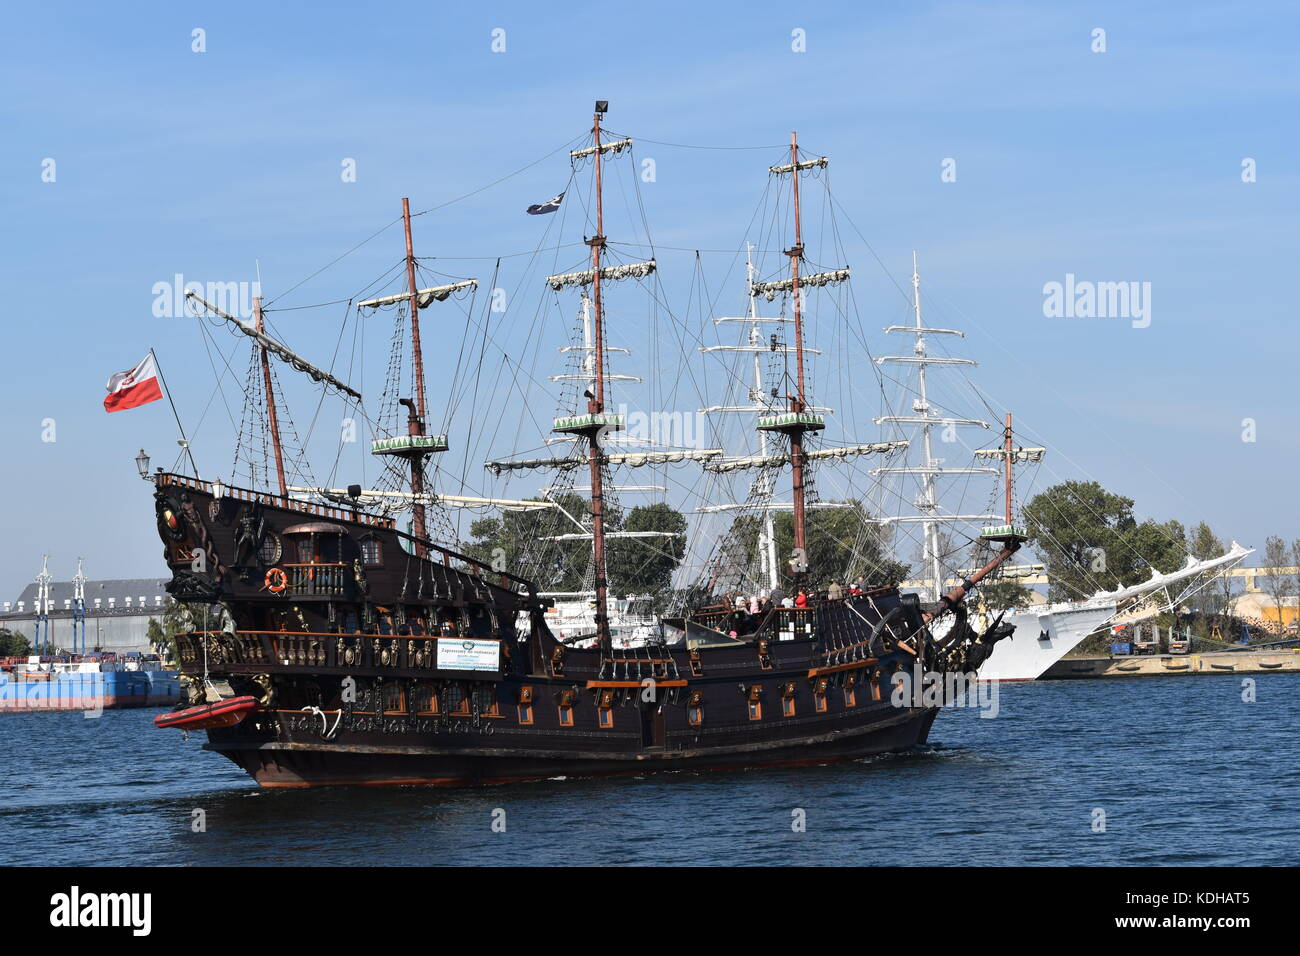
point(79, 608)
point(767, 544)
point(43, 604)
point(930, 467)
point(928, 502)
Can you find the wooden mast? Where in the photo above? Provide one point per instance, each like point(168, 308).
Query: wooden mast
point(797, 402)
point(1011, 538)
point(595, 406)
point(415, 410)
point(1006, 436)
point(259, 323)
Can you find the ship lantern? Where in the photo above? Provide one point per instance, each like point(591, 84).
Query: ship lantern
point(142, 464)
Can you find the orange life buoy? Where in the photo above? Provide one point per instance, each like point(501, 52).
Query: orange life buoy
point(280, 579)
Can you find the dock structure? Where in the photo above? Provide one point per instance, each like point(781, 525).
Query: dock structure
point(1286, 660)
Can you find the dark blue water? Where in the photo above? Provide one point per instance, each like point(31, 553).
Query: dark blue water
point(1186, 772)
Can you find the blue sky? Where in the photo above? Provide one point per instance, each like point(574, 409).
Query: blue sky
point(1115, 166)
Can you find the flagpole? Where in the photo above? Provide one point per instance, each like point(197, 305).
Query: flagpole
point(179, 426)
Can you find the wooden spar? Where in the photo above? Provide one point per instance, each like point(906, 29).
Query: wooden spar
point(796, 254)
point(797, 403)
point(417, 357)
point(596, 405)
point(950, 600)
point(259, 323)
point(279, 350)
point(416, 410)
point(1007, 443)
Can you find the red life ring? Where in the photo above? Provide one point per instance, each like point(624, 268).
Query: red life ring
point(279, 577)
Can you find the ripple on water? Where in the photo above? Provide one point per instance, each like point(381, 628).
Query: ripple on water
point(1184, 771)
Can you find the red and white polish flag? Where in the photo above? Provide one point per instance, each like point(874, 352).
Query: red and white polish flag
point(133, 388)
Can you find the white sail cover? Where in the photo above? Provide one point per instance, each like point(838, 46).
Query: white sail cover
point(423, 297)
point(820, 162)
point(1017, 454)
point(821, 454)
point(370, 496)
point(633, 459)
point(768, 290)
point(617, 146)
point(633, 270)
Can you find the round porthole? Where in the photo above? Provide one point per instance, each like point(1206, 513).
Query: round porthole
point(270, 549)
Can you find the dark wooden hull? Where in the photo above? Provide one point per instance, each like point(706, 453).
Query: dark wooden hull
point(471, 764)
point(373, 665)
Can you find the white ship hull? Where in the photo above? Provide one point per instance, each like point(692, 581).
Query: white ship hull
point(1042, 637)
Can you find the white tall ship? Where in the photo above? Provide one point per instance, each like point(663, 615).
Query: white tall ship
point(1046, 633)
point(1043, 633)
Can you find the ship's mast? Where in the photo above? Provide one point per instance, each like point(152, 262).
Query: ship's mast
point(768, 544)
point(798, 418)
point(929, 469)
point(797, 403)
point(1010, 456)
point(928, 503)
point(259, 324)
point(79, 610)
point(415, 413)
point(596, 405)
point(43, 606)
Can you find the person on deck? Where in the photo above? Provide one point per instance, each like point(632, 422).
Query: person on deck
point(835, 592)
point(802, 599)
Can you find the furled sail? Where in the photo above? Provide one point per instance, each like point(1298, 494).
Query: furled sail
point(769, 461)
point(282, 352)
point(768, 290)
point(632, 270)
point(423, 297)
point(636, 459)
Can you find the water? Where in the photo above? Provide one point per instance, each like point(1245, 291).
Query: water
point(1185, 771)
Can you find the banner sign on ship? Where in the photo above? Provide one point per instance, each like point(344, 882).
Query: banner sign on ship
point(458, 654)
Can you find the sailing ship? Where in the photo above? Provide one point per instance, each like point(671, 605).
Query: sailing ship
point(1044, 633)
point(377, 655)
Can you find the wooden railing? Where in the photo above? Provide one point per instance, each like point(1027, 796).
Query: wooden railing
point(317, 580)
point(253, 651)
point(276, 501)
point(486, 574)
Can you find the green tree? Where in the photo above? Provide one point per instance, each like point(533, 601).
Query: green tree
point(646, 565)
point(1005, 594)
point(1213, 602)
point(842, 544)
point(13, 644)
point(161, 632)
point(1089, 540)
point(519, 542)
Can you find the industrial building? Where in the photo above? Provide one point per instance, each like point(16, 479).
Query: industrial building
point(118, 613)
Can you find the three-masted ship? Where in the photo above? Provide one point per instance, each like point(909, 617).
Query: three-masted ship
point(372, 654)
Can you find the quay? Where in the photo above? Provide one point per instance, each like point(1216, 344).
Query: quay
point(1153, 665)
